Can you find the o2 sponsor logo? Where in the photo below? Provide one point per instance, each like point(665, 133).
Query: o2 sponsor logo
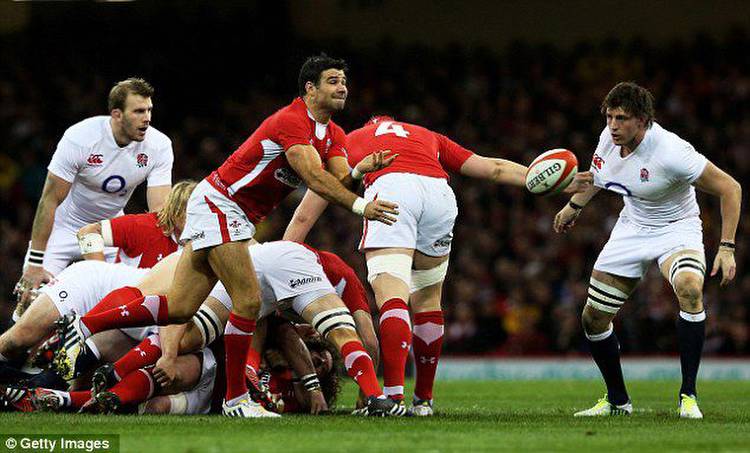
point(115, 184)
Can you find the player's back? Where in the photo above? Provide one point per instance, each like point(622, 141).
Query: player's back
point(420, 150)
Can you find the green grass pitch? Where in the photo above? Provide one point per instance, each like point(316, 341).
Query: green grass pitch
point(472, 416)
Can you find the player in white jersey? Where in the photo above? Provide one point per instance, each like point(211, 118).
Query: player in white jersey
point(77, 289)
point(96, 167)
point(655, 171)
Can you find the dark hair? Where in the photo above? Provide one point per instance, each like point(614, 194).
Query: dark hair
point(314, 66)
point(330, 384)
point(120, 91)
point(634, 100)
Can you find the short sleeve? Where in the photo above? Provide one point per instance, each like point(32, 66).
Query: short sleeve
point(452, 155)
point(596, 160)
point(67, 160)
point(292, 129)
point(161, 174)
point(685, 163)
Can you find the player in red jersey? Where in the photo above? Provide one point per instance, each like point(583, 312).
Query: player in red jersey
point(289, 147)
point(408, 261)
point(143, 239)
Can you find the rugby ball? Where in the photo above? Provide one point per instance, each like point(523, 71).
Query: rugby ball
point(551, 172)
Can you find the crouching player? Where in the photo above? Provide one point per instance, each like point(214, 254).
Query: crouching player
point(655, 171)
point(290, 276)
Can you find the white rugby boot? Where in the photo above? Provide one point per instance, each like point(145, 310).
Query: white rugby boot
point(603, 408)
point(246, 408)
point(689, 407)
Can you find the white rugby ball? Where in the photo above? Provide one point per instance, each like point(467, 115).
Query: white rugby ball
point(551, 172)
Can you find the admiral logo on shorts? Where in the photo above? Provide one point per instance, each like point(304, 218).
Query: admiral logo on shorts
point(295, 282)
point(287, 177)
point(198, 235)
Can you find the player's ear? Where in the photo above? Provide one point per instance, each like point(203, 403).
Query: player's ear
point(116, 114)
point(309, 86)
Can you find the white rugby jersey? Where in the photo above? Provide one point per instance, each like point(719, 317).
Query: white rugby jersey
point(104, 175)
point(655, 181)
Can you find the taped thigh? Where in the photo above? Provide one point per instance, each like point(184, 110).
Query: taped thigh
point(396, 264)
point(336, 318)
point(689, 262)
point(423, 278)
point(604, 297)
point(208, 323)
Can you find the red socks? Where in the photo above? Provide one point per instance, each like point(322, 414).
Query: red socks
point(428, 342)
point(134, 388)
point(359, 366)
point(146, 353)
point(119, 296)
point(237, 338)
point(395, 340)
point(78, 399)
point(140, 312)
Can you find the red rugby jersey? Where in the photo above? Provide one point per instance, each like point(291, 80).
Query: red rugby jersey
point(420, 150)
point(345, 281)
point(141, 241)
point(257, 175)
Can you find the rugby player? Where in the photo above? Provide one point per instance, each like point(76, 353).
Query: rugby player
point(656, 173)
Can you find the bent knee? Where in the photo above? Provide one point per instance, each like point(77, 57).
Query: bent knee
point(595, 321)
point(688, 285)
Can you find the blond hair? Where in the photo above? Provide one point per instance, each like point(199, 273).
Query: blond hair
point(119, 93)
point(174, 208)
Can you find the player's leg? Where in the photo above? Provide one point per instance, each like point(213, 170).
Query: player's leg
point(685, 271)
point(233, 266)
point(366, 332)
point(426, 287)
point(193, 280)
point(607, 294)
point(389, 274)
point(330, 317)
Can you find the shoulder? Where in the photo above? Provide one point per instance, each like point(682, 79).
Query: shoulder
point(668, 144)
point(87, 132)
point(157, 139)
point(296, 112)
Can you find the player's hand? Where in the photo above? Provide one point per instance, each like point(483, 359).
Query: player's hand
point(381, 211)
point(32, 278)
point(317, 402)
point(565, 219)
point(376, 161)
point(581, 182)
point(725, 261)
point(165, 371)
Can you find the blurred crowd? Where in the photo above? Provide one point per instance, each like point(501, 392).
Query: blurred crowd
point(514, 286)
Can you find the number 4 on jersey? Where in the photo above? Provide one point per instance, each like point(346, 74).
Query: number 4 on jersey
point(389, 127)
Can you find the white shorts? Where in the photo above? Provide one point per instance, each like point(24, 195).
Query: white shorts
point(80, 286)
point(289, 274)
point(199, 397)
point(631, 248)
point(427, 213)
point(214, 219)
point(62, 249)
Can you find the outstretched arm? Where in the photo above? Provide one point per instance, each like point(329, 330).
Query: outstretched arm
point(306, 162)
point(54, 192)
point(307, 213)
point(716, 182)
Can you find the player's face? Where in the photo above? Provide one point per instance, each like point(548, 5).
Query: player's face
point(624, 127)
point(331, 91)
point(136, 117)
point(323, 362)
